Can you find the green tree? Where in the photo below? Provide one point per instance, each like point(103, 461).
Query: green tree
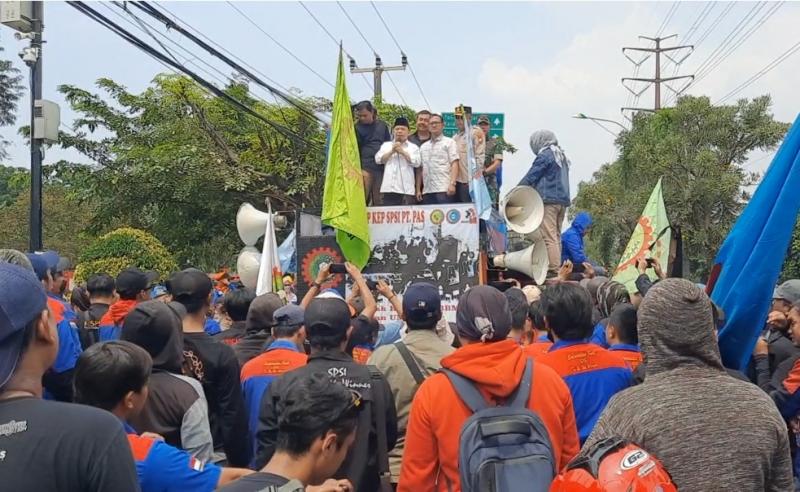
point(121, 249)
point(699, 150)
point(791, 268)
point(65, 221)
point(12, 183)
point(178, 162)
point(10, 93)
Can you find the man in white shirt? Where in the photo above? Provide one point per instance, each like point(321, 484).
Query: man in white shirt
point(437, 182)
point(398, 157)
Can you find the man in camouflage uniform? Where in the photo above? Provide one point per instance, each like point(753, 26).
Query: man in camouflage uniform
point(493, 159)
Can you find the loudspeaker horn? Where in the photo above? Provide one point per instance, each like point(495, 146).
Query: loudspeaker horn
point(532, 261)
point(523, 209)
point(247, 266)
point(251, 223)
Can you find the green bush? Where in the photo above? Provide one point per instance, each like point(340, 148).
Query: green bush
point(791, 268)
point(123, 248)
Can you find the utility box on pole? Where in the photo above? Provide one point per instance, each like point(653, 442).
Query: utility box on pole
point(46, 120)
point(17, 15)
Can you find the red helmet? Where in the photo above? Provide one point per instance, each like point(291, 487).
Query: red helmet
point(614, 465)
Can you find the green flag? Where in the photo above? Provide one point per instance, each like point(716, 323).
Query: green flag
point(343, 203)
point(650, 239)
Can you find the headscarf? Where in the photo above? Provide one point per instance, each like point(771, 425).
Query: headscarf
point(545, 139)
point(483, 315)
point(609, 294)
point(676, 327)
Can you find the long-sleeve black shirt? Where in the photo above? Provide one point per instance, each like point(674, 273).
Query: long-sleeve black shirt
point(214, 364)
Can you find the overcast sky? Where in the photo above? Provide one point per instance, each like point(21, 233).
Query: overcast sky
point(539, 63)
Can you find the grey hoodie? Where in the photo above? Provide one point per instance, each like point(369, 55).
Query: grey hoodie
point(711, 431)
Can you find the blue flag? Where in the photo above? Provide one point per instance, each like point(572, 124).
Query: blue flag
point(749, 262)
point(477, 186)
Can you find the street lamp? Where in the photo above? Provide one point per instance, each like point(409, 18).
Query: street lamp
point(581, 116)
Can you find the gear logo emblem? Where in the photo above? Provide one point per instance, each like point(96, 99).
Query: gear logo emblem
point(312, 260)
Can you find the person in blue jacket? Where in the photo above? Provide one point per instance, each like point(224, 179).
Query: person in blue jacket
point(549, 176)
point(572, 240)
point(113, 376)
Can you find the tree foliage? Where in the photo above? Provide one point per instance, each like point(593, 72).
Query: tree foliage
point(178, 162)
point(699, 150)
point(10, 94)
point(791, 268)
point(64, 221)
point(123, 248)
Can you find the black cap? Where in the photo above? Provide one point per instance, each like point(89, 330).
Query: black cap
point(401, 121)
point(327, 316)
point(421, 302)
point(131, 281)
point(156, 327)
point(189, 284)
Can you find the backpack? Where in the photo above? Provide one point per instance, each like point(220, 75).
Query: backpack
point(505, 448)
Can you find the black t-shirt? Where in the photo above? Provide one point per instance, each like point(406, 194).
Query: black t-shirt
point(370, 138)
point(54, 446)
point(255, 482)
point(416, 140)
point(214, 364)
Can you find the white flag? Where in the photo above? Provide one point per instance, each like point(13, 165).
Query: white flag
point(269, 270)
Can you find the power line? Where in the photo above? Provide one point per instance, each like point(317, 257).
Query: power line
point(222, 48)
point(284, 48)
point(374, 51)
point(170, 24)
point(136, 41)
point(391, 80)
point(333, 38)
point(411, 69)
point(741, 41)
point(769, 67)
point(668, 18)
point(729, 38)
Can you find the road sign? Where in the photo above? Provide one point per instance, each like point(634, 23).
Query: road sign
point(497, 120)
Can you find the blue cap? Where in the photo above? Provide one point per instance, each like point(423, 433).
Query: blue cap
point(421, 302)
point(22, 299)
point(288, 315)
point(39, 264)
point(158, 291)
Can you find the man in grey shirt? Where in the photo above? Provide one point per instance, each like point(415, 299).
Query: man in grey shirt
point(711, 431)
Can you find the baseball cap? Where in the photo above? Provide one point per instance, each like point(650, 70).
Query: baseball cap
point(132, 281)
point(189, 284)
point(156, 327)
point(483, 119)
point(39, 265)
point(789, 291)
point(421, 302)
point(158, 291)
point(327, 315)
point(261, 314)
point(22, 299)
point(289, 315)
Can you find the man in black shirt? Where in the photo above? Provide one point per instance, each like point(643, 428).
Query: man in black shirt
point(258, 327)
point(327, 320)
point(213, 364)
point(370, 133)
point(316, 428)
point(235, 304)
point(47, 445)
point(101, 296)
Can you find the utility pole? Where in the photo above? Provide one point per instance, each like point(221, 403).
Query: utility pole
point(377, 73)
point(657, 80)
point(36, 143)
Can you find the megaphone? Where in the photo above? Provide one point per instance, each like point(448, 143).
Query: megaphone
point(532, 261)
point(247, 266)
point(251, 223)
point(523, 209)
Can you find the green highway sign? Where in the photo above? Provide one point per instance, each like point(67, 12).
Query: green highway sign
point(497, 120)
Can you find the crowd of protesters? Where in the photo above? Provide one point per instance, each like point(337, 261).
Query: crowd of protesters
point(122, 387)
point(194, 383)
